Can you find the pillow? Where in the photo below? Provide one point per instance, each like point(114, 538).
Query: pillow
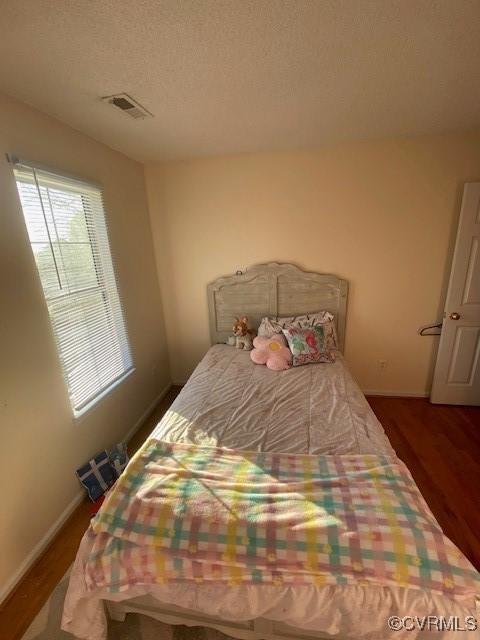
point(96, 476)
point(308, 345)
point(269, 326)
point(271, 351)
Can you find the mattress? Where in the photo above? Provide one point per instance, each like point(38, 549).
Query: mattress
point(316, 409)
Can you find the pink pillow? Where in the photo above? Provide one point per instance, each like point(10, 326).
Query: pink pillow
point(272, 351)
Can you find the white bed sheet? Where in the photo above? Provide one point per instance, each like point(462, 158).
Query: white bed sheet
point(316, 409)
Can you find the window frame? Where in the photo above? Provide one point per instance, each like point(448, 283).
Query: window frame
point(103, 285)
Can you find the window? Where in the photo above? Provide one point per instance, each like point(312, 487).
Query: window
point(66, 225)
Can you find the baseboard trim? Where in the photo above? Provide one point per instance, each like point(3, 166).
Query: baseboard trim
point(42, 544)
point(396, 394)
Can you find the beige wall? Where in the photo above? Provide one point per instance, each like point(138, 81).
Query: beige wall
point(380, 214)
point(41, 445)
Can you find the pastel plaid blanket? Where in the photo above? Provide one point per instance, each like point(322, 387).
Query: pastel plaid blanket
point(190, 513)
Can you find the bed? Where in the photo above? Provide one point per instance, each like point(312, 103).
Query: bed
point(231, 403)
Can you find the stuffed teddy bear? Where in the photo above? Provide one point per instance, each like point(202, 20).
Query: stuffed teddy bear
point(243, 335)
point(272, 351)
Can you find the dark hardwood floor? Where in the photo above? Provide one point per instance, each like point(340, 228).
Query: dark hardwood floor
point(440, 445)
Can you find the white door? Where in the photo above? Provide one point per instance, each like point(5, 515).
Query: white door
point(457, 371)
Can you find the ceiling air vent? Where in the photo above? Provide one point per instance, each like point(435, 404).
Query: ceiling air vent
point(128, 105)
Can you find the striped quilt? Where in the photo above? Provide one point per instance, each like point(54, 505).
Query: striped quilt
point(184, 512)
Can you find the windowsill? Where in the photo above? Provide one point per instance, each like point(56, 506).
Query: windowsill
point(79, 416)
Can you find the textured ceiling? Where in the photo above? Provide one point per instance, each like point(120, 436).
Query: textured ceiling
point(225, 76)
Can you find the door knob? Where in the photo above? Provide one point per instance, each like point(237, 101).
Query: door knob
point(454, 316)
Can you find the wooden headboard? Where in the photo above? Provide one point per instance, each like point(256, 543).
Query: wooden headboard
point(274, 290)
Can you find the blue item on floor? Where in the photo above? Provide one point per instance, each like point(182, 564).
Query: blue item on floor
point(97, 475)
point(118, 458)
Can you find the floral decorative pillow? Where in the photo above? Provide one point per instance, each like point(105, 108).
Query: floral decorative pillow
point(271, 351)
point(269, 326)
point(308, 345)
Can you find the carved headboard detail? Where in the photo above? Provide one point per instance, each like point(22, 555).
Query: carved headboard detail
point(274, 289)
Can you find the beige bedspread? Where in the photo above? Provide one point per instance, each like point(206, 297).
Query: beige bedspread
point(231, 402)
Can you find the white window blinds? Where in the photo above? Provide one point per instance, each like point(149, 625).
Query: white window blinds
point(66, 225)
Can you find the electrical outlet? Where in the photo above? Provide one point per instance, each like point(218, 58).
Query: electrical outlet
point(382, 364)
